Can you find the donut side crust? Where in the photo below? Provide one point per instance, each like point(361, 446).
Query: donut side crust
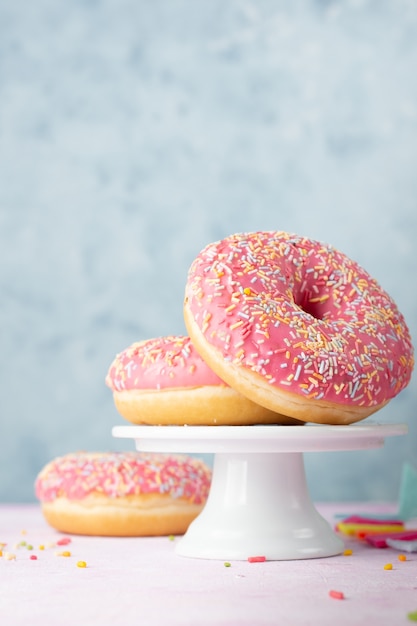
point(130, 516)
point(203, 406)
point(254, 387)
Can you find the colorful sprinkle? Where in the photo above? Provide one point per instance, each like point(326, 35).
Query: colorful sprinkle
point(256, 559)
point(412, 616)
point(81, 564)
point(227, 564)
point(63, 553)
point(388, 566)
point(64, 541)
point(402, 557)
point(33, 557)
point(348, 552)
point(337, 595)
point(121, 474)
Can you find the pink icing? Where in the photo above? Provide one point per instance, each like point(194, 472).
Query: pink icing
point(119, 474)
point(161, 363)
point(303, 316)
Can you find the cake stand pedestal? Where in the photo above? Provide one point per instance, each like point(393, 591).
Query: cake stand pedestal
point(259, 504)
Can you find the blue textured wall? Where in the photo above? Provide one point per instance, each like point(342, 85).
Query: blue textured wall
point(132, 133)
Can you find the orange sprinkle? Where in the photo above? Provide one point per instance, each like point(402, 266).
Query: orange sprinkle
point(402, 557)
point(348, 552)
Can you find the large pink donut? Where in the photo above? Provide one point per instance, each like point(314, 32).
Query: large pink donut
point(297, 326)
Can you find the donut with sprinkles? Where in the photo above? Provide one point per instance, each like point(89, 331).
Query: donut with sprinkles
point(297, 326)
point(122, 493)
point(164, 380)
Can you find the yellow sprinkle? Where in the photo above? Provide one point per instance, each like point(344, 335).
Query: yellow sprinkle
point(388, 566)
point(81, 564)
point(227, 564)
point(348, 552)
point(247, 291)
point(63, 553)
point(171, 537)
point(1, 552)
point(402, 557)
point(41, 547)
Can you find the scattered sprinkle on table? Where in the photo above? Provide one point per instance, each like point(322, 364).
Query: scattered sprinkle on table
point(388, 566)
point(63, 542)
point(256, 559)
point(402, 557)
point(227, 564)
point(412, 616)
point(63, 553)
point(337, 595)
point(81, 564)
point(348, 552)
point(33, 557)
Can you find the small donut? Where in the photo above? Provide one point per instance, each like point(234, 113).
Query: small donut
point(165, 381)
point(297, 326)
point(122, 493)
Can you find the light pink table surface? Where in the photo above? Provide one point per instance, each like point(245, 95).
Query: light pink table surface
point(142, 581)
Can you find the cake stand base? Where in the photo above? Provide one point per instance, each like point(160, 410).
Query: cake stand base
point(259, 506)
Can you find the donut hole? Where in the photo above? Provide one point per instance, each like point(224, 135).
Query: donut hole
point(311, 305)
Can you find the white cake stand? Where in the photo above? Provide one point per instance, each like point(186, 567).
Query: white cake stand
point(259, 504)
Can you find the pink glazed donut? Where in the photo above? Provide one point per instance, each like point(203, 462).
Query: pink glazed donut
point(122, 493)
point(296, 326)
point(165, 381)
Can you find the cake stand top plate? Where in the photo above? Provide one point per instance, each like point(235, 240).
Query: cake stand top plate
point(259, 439)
